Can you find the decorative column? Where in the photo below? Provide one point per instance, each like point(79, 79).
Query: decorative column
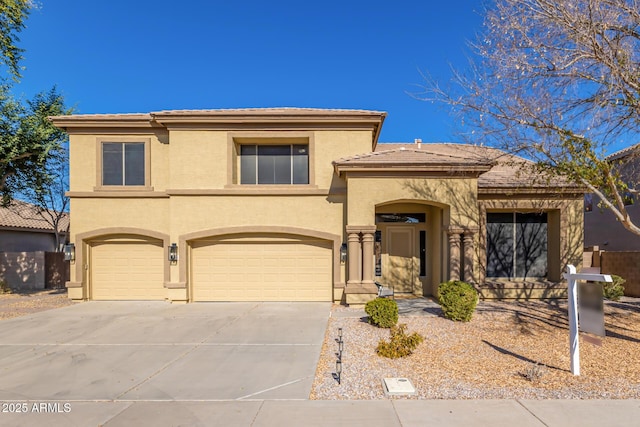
point(467, 240)
point(353, 256)
point(454, 255)
point(367, 254)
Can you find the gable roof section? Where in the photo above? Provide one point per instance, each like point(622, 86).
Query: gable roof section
point(498, 171)
point(24, 216)
point(411, 159)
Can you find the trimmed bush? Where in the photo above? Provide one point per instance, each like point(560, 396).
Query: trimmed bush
point(400, 344)
point(458, 300)
point(382, 312)
point(614, 290)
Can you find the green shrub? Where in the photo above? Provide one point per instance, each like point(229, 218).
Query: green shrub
point(458, 300)
point(614, 290)
point(382, 312)
point(400, 344)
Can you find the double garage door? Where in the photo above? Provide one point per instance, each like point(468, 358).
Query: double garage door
point(261, 271)
point(218, 270)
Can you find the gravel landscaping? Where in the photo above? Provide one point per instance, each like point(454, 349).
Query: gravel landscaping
point(508, 350)
point(23, 303)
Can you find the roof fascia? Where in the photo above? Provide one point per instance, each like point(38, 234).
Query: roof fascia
point(70, 123)
point(380, 167)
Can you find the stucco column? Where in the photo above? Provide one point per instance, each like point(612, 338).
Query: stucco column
point(467, 240)
point(367, 256)
point(454, 255)
point(353, 257)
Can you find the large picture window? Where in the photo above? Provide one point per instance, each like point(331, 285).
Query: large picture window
point(274, 164)
point(517, 245)
point(123, 163)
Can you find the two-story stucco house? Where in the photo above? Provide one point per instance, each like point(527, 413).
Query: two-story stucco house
point(293, 204)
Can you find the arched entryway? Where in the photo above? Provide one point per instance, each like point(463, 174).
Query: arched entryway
point(408, 249)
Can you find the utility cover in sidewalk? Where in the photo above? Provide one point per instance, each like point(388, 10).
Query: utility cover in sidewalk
point(398, 387)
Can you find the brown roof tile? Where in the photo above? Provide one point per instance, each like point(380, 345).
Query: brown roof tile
point(409, 156)
point(507, 171)
point(273, 110)
point(221, 112)
point(25, 215)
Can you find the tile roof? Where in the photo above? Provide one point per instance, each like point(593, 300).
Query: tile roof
point(25, 215)
point(409, 156)
point(271, 110)
point(223, 112)
point(506, 171)
point(624, 152)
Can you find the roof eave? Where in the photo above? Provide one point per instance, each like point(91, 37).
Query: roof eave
point(452, 169)
point(569, 189)
point(106, 121)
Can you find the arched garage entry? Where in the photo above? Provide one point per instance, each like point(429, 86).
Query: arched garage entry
point(123, 264)
point(262, 264)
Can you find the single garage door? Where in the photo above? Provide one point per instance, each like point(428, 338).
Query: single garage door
point(127, 271)
point(261, 271)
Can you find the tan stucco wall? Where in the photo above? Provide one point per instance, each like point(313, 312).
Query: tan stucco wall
point(83, 158)
point(457, 196)
point(189, 214)
point(330, 146)
point(196, 161)
point(205, 154)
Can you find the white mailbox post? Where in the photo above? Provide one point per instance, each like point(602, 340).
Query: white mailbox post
point(572, 279)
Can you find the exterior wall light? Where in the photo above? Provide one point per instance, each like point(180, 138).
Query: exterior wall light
point(173, 253)
point(70, 252)
point(343, 253)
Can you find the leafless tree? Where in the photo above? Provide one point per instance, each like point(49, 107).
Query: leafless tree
point(558, 82)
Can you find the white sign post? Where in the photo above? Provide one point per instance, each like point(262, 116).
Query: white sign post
point(572, 278)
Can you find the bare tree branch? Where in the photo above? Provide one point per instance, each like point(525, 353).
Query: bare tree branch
point(558, 82)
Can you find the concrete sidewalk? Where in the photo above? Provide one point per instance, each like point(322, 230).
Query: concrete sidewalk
point(495, 413)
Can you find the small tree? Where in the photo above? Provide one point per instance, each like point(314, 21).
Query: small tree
point(558, 82)
point(30, 145)
point(13, 14)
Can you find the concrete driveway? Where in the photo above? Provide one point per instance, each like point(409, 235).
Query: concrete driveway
point(155, 351)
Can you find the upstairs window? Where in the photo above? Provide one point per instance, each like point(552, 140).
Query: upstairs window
point(123, 164)
point(274, 164)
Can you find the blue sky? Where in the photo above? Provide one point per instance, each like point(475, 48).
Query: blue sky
point(139, 56)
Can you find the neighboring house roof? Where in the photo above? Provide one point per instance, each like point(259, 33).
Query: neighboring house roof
point(22, 215)
point(625, 152)
point(498, 169)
